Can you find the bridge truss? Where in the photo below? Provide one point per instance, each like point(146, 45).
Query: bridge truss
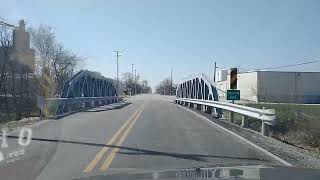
point(88, 84)
point(199, 87)
point(85, 89)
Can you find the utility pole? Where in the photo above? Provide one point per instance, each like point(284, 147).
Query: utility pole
point(135, 81)
point(215, 69)
point(117, 55)
point(132, 78)
point(171, 82)
point(138, 77)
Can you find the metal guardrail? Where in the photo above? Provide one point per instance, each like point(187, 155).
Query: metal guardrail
point(60, 107)
point(267, 116)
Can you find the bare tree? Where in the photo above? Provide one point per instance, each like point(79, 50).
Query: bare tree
point(17, 86)
point(5, 44)
point(145, 88)
point(164, 87)
point(43, 40)
point(254, 92)
point(128, 84)
point(64, 64)
point(15, 89)
point(55, 64)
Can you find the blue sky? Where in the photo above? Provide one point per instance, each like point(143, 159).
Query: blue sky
point(186, 36)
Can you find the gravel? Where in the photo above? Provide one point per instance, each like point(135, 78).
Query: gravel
point(294, 155)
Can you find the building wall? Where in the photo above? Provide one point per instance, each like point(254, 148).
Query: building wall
point(289, 87)
point(247, 84)
point(275, 86)
point(222, 87)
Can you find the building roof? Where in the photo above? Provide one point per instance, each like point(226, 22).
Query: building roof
point(278, 71)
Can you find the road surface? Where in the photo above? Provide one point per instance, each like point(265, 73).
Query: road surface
point(151, 133)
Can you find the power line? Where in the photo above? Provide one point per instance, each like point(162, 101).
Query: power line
point(291, 65)
point(276, 67)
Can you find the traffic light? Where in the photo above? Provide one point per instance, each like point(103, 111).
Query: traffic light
point(233, 78)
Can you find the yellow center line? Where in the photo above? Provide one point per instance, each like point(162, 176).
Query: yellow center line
point(112, 155)
point(98, 157)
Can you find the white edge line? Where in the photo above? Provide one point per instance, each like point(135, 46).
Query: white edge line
point(242, 138)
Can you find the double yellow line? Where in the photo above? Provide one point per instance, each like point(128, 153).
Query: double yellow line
point(120, 135)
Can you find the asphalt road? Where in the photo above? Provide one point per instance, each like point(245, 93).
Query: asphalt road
point(151, 133)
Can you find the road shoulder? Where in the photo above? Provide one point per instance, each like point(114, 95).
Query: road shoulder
point(291, 154)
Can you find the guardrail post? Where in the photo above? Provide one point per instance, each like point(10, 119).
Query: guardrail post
point(209, 110)
point(231, 116)
point(244, 121)
point(265, 129)
point(191, 105)
point(267, 116)
point(195, 106)
point(203, 108)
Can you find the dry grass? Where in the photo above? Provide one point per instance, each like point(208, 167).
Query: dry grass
point(297, 124)
point(21, 123)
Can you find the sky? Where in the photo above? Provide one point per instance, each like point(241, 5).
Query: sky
point(183, 35)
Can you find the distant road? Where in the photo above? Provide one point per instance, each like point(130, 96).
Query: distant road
point(151, 133)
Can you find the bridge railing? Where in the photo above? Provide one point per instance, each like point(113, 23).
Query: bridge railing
point(267, 116)
point(60, 107)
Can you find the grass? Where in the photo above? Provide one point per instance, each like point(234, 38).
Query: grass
point(13, 120)
point(13, 109)
point(292, 116)
point(297, 124)
point(253, 123)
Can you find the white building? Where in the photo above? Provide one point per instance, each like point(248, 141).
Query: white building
point(273, 86)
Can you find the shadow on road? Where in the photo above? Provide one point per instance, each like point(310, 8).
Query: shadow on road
point(137, 151)
point(108, 107)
